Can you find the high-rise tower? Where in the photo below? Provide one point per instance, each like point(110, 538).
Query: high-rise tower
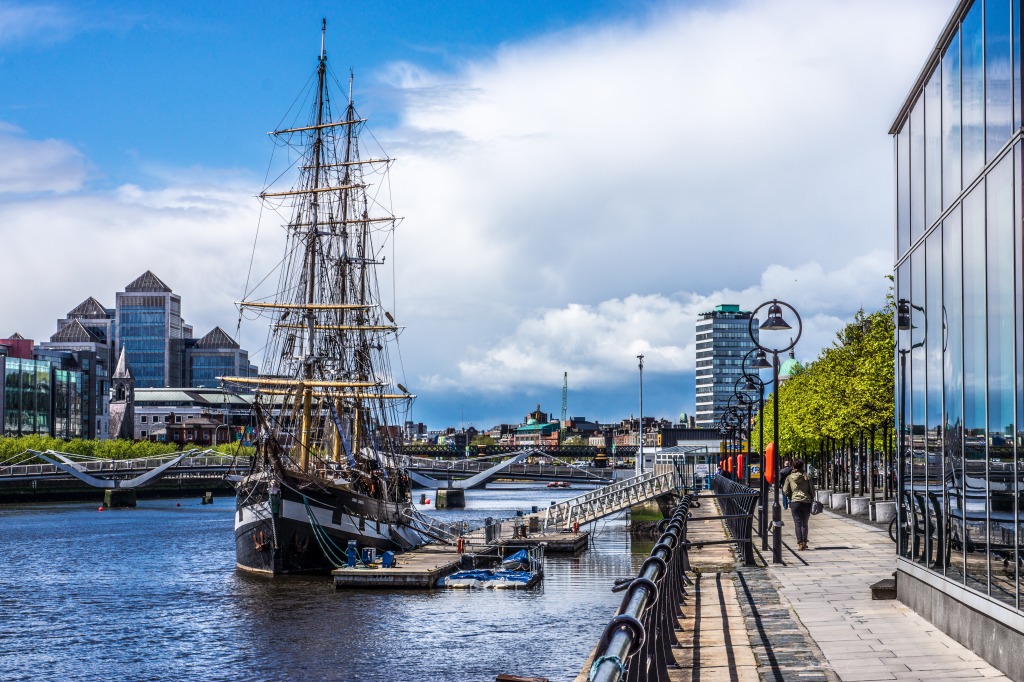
point(723, 338)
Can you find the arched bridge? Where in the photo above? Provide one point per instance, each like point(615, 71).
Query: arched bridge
point(477, 471)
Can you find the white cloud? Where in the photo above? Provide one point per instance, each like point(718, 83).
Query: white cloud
point(611, 165)
point(597, 344)
point(28, 166)
point(197, 239)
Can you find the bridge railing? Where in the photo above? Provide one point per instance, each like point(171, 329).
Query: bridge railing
point(469, 467)
point(609, 499)
point(107, 466)
point(636, 644)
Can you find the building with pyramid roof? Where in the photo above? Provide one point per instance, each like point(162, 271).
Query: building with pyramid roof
point(150, 329)
point(216, 355)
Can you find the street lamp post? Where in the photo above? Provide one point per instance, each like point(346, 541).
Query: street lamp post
point(775, 322)
point(759, 387)
point(742, 396)
point(638, 466)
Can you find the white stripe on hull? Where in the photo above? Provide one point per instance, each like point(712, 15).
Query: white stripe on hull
point(293, 511)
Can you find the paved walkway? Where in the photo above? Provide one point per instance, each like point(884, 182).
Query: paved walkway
point(810, 619)
point(828, 588)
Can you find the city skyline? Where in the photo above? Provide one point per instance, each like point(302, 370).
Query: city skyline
point(662, 129)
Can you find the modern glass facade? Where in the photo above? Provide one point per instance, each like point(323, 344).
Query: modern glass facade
point(41, 400)
point(144, 333)
point(723, 338)
point(960, 355)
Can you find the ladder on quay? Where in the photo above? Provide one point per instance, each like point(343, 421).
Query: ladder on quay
point(610, 499)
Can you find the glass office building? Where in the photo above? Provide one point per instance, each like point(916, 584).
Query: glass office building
point(960, 345)
point(216, 355)
point(151, 331)
point(723, 339)
point(41, 400)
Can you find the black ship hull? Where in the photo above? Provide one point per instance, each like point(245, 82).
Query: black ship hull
point(290, 532)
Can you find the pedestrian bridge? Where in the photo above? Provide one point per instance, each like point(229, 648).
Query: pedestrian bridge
point(122, 473)
point(477, 471)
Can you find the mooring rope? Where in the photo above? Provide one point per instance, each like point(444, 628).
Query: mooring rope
point(323, 539)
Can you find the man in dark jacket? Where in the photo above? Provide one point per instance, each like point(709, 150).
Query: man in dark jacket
point(784, 473)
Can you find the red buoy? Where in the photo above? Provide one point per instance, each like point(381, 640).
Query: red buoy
point(100, 509)
point(179, 504)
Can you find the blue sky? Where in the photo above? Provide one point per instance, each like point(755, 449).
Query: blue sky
point(579, 180)
point(196, 83)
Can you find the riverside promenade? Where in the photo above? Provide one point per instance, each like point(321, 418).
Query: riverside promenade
point(811, 618)
point(828, 589)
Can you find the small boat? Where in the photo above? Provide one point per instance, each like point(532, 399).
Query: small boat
point(467, 580)
point(518, 571)
point(560, 484)
point(513, 580)
point(520, 561)
point(488, 579)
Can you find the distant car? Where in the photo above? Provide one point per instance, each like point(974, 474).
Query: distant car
point(580, 463)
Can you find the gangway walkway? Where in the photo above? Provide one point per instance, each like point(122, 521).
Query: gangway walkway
point(610, 499)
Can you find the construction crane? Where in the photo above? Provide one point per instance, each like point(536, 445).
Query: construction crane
point(565, 400)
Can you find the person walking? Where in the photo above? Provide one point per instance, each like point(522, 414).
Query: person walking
point(799, 488)
point(784, 473)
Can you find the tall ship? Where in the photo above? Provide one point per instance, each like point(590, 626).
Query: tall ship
point(327, 468)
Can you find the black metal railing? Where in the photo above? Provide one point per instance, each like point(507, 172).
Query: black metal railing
point(636, 644)
point(738, 503)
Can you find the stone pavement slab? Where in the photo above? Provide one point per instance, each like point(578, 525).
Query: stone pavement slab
point(828, 587)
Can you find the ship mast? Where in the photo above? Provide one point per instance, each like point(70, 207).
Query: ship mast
point(327, 334)
point(311, 244)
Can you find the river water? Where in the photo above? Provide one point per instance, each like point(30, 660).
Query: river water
point(152, 594)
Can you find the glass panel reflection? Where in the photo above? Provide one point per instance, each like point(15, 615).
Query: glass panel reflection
point(1001, 474)
point(903, 190)
point(998, 80)
point(1019, 370)
point(922, 545)
point(951, 122)
point(936, 530)
point(975, 479)
point(903, 447)
point(933, 149)
point(953, 382)
point(1015, 32)
point(972, 48)
point(917, 171)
